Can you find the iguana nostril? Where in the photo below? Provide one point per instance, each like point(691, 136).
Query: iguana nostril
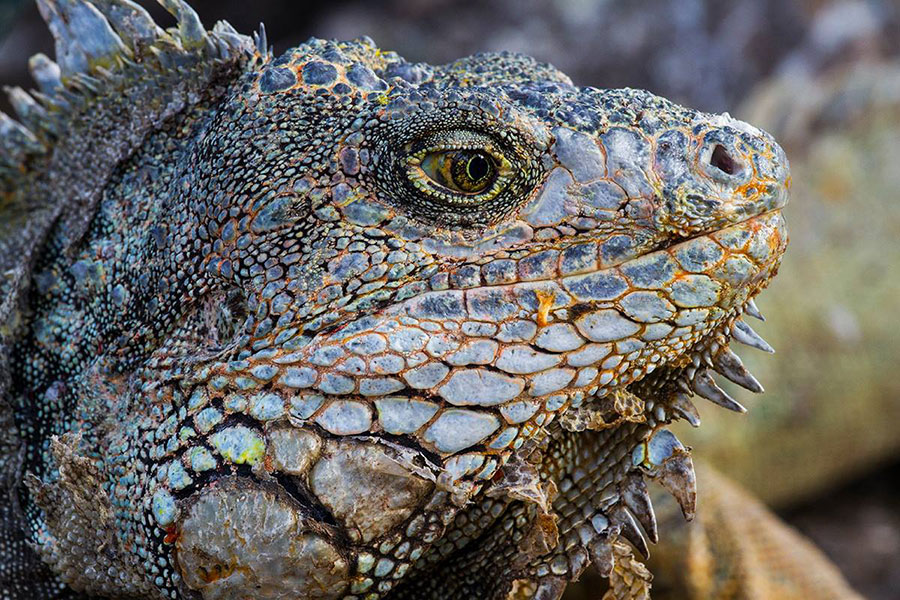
point(723, 161)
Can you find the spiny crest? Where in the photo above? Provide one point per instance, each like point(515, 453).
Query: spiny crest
point(104, 48)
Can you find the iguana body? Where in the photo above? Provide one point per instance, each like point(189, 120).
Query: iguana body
point(736, 548)
point(335, 325)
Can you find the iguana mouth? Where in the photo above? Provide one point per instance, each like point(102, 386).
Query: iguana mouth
point(690, 373)
point(553, 343)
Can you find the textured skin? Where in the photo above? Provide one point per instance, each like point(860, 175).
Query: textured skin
point(778, 454)
point(257, 345)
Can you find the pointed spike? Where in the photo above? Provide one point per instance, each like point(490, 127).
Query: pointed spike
point(100, 43)
point(51, 104)
point(665, 459)
point(229, 34)
point(30, 113)
point(85, 83)
point(229, 41)
point(46, 73)
point(622, 517)
point(729, 364)
point(72, 97)
point(745, 335)
point(16, 139)
point(637, 499)
point(683, 405)
point(219, 47)
point(677, 476)
point(262, 42)
point(131, 21)
point(21, 101)
point(225, 27)
point(69, 54)
point(83, 36)
point(705, 387)
point(190, 28)
point(752, 310)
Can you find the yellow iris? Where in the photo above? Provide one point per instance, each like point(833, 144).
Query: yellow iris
point(459, 168)
point(464, 171)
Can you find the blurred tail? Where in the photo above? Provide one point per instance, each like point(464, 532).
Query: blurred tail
point(737, 549)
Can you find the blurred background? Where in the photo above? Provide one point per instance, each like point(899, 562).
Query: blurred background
point(822, 446)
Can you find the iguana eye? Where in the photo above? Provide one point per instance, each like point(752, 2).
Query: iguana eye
point(460, 168)
point(465, 171)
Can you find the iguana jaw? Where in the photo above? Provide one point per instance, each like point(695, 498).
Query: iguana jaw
point(510, 357)
point(684, 367)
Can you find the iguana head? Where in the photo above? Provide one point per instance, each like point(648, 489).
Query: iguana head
point(355, 290)
point(442, 260)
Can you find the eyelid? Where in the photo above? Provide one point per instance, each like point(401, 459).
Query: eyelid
point(487, 148)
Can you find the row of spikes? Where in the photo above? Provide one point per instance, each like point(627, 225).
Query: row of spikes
point(696, 378)
point(676, 472)
point(100, 46)
point(673, 468)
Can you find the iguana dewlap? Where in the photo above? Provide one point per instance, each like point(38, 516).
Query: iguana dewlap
point(336, 325)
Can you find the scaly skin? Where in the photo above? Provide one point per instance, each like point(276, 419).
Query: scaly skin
point(335, 325)
point(809, 440)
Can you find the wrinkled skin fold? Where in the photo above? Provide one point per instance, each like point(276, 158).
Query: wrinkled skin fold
point(335, 325)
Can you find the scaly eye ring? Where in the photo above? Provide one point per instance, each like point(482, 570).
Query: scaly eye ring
point(463, 169)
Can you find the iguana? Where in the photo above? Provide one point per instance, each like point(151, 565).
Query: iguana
point(336, 325)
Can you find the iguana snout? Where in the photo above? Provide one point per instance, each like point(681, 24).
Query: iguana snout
point(718, 171)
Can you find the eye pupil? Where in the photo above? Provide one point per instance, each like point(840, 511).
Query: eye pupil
point(477, 168)
point(470, 171)
point(462, 175)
